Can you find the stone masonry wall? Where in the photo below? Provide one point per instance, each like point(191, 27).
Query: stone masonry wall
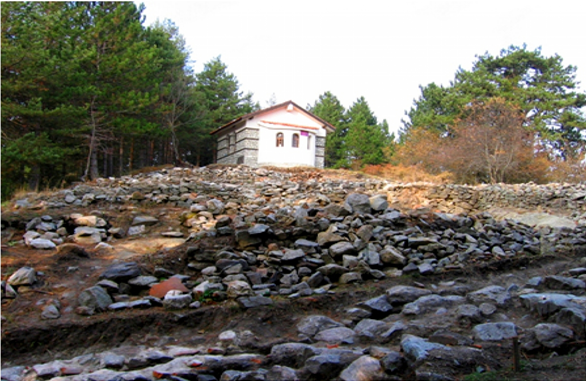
point(567, 199)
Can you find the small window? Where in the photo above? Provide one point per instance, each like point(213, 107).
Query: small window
point(280, 140)
point(295, 143)
point(308, 141)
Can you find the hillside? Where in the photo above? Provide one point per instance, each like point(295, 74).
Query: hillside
point(293, 274)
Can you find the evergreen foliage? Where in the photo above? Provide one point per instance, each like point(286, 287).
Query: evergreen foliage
point(541, 87)
point(329, 108)
point(359, 139)
point(88, 91)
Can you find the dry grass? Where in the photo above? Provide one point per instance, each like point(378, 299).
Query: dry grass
point(407, 174)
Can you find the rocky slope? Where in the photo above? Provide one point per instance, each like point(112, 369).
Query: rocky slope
point(234, 273)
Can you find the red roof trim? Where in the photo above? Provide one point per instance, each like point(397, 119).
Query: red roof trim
point(280, 105)
point(290, 125)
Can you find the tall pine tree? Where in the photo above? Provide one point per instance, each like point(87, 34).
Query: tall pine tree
point(329, 108)
point(366, 139)
point(220, 101)
point(541, 87)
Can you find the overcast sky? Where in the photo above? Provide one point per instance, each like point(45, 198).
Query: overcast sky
point(382, 50)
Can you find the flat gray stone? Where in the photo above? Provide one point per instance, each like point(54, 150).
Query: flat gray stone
point(14, 373)
point(336, 335)
point(254, 301)
point(292, 355)
point(363, 368)
point(313, 324)
point(378, 306)
point(495, 331)
point(174, 301)
point(121, 272)
point(556, 282)
point(429, 303)
point(143, 281)
point(546, 304)
point(425, 269)
point(469, 313)
point(340, 248)
point(333, 271)
point(23, 276)
point(42, 244)
point(293, 255)
point(494, 294)
point(405, 294)
point(119, 306)
point(144, 220)
point(416, 348)
point(370, 328)
point(258, 229)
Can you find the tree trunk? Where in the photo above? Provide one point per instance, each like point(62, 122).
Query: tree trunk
point(34, 179)
point(131, 155)
point(121, 158)
point(91, 168)
point(105, 163)
point(111, 161)
point(94, 171)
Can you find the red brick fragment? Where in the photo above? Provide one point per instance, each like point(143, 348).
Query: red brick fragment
point(159, 290)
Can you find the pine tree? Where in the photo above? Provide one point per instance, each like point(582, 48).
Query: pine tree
point(329, 108)
point(366, 139)
point(220, 101)
point(541, 87)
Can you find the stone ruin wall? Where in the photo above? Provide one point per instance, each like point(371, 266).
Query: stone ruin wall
point(562, 199)
point(568, 200)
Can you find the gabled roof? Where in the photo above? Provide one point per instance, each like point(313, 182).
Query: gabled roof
point(251, 115)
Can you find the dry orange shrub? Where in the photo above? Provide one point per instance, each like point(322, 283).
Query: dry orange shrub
point(569, 171)
point(408, 174)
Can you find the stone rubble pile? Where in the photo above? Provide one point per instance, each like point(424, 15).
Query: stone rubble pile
point(181, 186)
point(293, 239)
point(297, 250)
point(426, 333)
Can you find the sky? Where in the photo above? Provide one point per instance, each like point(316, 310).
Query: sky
point(381, 50)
